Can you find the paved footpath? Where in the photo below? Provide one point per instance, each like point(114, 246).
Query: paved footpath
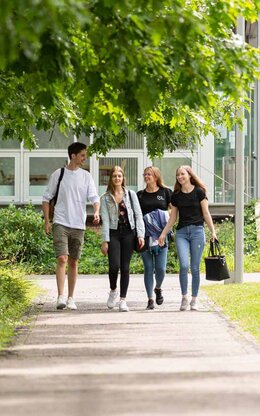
point(143, 363)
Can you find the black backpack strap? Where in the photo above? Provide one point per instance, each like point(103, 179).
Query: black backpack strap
point(58, 186)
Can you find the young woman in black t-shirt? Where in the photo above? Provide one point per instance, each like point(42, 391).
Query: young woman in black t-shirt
point(190, 204)
point(155, 196)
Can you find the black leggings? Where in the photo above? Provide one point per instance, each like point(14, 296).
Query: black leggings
point(120, 250)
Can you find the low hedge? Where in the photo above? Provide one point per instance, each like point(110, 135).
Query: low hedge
point(23, 241)
point(17, 293)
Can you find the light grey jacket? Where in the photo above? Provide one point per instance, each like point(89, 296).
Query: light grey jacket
point(109, 214)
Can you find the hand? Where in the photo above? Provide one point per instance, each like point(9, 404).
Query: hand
point(141, 242)
point(104, 248)
point(96, 219)
point(47, 227)
point(161, 240)
point(213, 236)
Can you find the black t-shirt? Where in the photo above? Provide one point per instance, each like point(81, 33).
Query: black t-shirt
point(149, 201)
point(189, 207)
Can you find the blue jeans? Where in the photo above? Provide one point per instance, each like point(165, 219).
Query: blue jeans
point(154, 263)
point(190, 242)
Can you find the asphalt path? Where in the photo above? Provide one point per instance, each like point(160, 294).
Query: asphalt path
point(95, 361)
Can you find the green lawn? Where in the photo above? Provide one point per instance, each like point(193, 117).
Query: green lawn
point(240, 302)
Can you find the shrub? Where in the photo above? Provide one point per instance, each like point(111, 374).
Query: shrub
point(17, 293)
point(24, 241)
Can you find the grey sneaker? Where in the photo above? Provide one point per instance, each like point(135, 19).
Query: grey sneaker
point(61, 303)
point(111, 302)
point(184, 304)
point(123, 306)
point(194, 305)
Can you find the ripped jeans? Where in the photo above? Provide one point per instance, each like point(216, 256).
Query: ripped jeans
point(190, 242)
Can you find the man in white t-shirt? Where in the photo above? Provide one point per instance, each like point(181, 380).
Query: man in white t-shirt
point(69, 221)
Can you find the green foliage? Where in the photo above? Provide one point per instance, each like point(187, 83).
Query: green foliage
point(24, 241)
point(240, 302)
point(17, 293)
point(93, 262)
point(171, 70)
point(250, 241)
point(225, 232)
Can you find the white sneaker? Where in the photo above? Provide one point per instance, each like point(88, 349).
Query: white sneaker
point(184, 304)
point(194, 305)
point(111, 302)
point(61, 303)
point(123, 306)
point(71, 304)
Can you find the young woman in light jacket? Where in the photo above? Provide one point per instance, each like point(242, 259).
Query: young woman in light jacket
point(121, 221)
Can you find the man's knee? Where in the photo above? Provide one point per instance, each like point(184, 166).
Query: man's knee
point(72, 262)
point(62, 260)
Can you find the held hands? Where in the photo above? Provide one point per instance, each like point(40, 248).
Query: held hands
point(161, 239)
point(140, 242)
point(96, 219)
point(104, 248)
point(213, 236)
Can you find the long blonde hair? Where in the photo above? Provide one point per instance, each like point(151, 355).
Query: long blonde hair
point(110, 185)
point(194, 179)
point(157, 174)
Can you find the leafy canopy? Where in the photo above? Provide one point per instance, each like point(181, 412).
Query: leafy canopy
point(172, 70)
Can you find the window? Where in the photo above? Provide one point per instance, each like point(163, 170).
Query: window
point(7, 175)
point(129, 165)
point(40, 169)
point(168, 166)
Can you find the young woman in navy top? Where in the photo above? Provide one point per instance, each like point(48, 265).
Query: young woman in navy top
point(155, 196)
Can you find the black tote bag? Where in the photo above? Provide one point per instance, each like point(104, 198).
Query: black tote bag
point(216, 266)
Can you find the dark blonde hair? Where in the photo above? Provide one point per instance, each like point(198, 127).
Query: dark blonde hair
point(157, 174)
point(194, 179)
point(110, 185)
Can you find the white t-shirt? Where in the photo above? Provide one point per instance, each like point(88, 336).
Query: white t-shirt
point(76, 188)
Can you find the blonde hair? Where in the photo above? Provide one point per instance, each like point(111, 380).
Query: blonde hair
point(194, 179)
point(157, 174)
point(110, 185)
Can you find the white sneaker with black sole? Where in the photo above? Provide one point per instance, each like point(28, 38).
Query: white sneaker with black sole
point(61, 303)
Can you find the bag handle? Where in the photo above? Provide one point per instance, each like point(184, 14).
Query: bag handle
point(131, 203)
point(214, 248)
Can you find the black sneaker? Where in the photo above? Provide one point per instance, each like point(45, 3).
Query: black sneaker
point(150, 304)
point(159, 296)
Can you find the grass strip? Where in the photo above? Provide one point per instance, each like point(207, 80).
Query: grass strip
point(240, 302)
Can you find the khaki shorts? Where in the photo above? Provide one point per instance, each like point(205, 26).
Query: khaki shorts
point(67, 241)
